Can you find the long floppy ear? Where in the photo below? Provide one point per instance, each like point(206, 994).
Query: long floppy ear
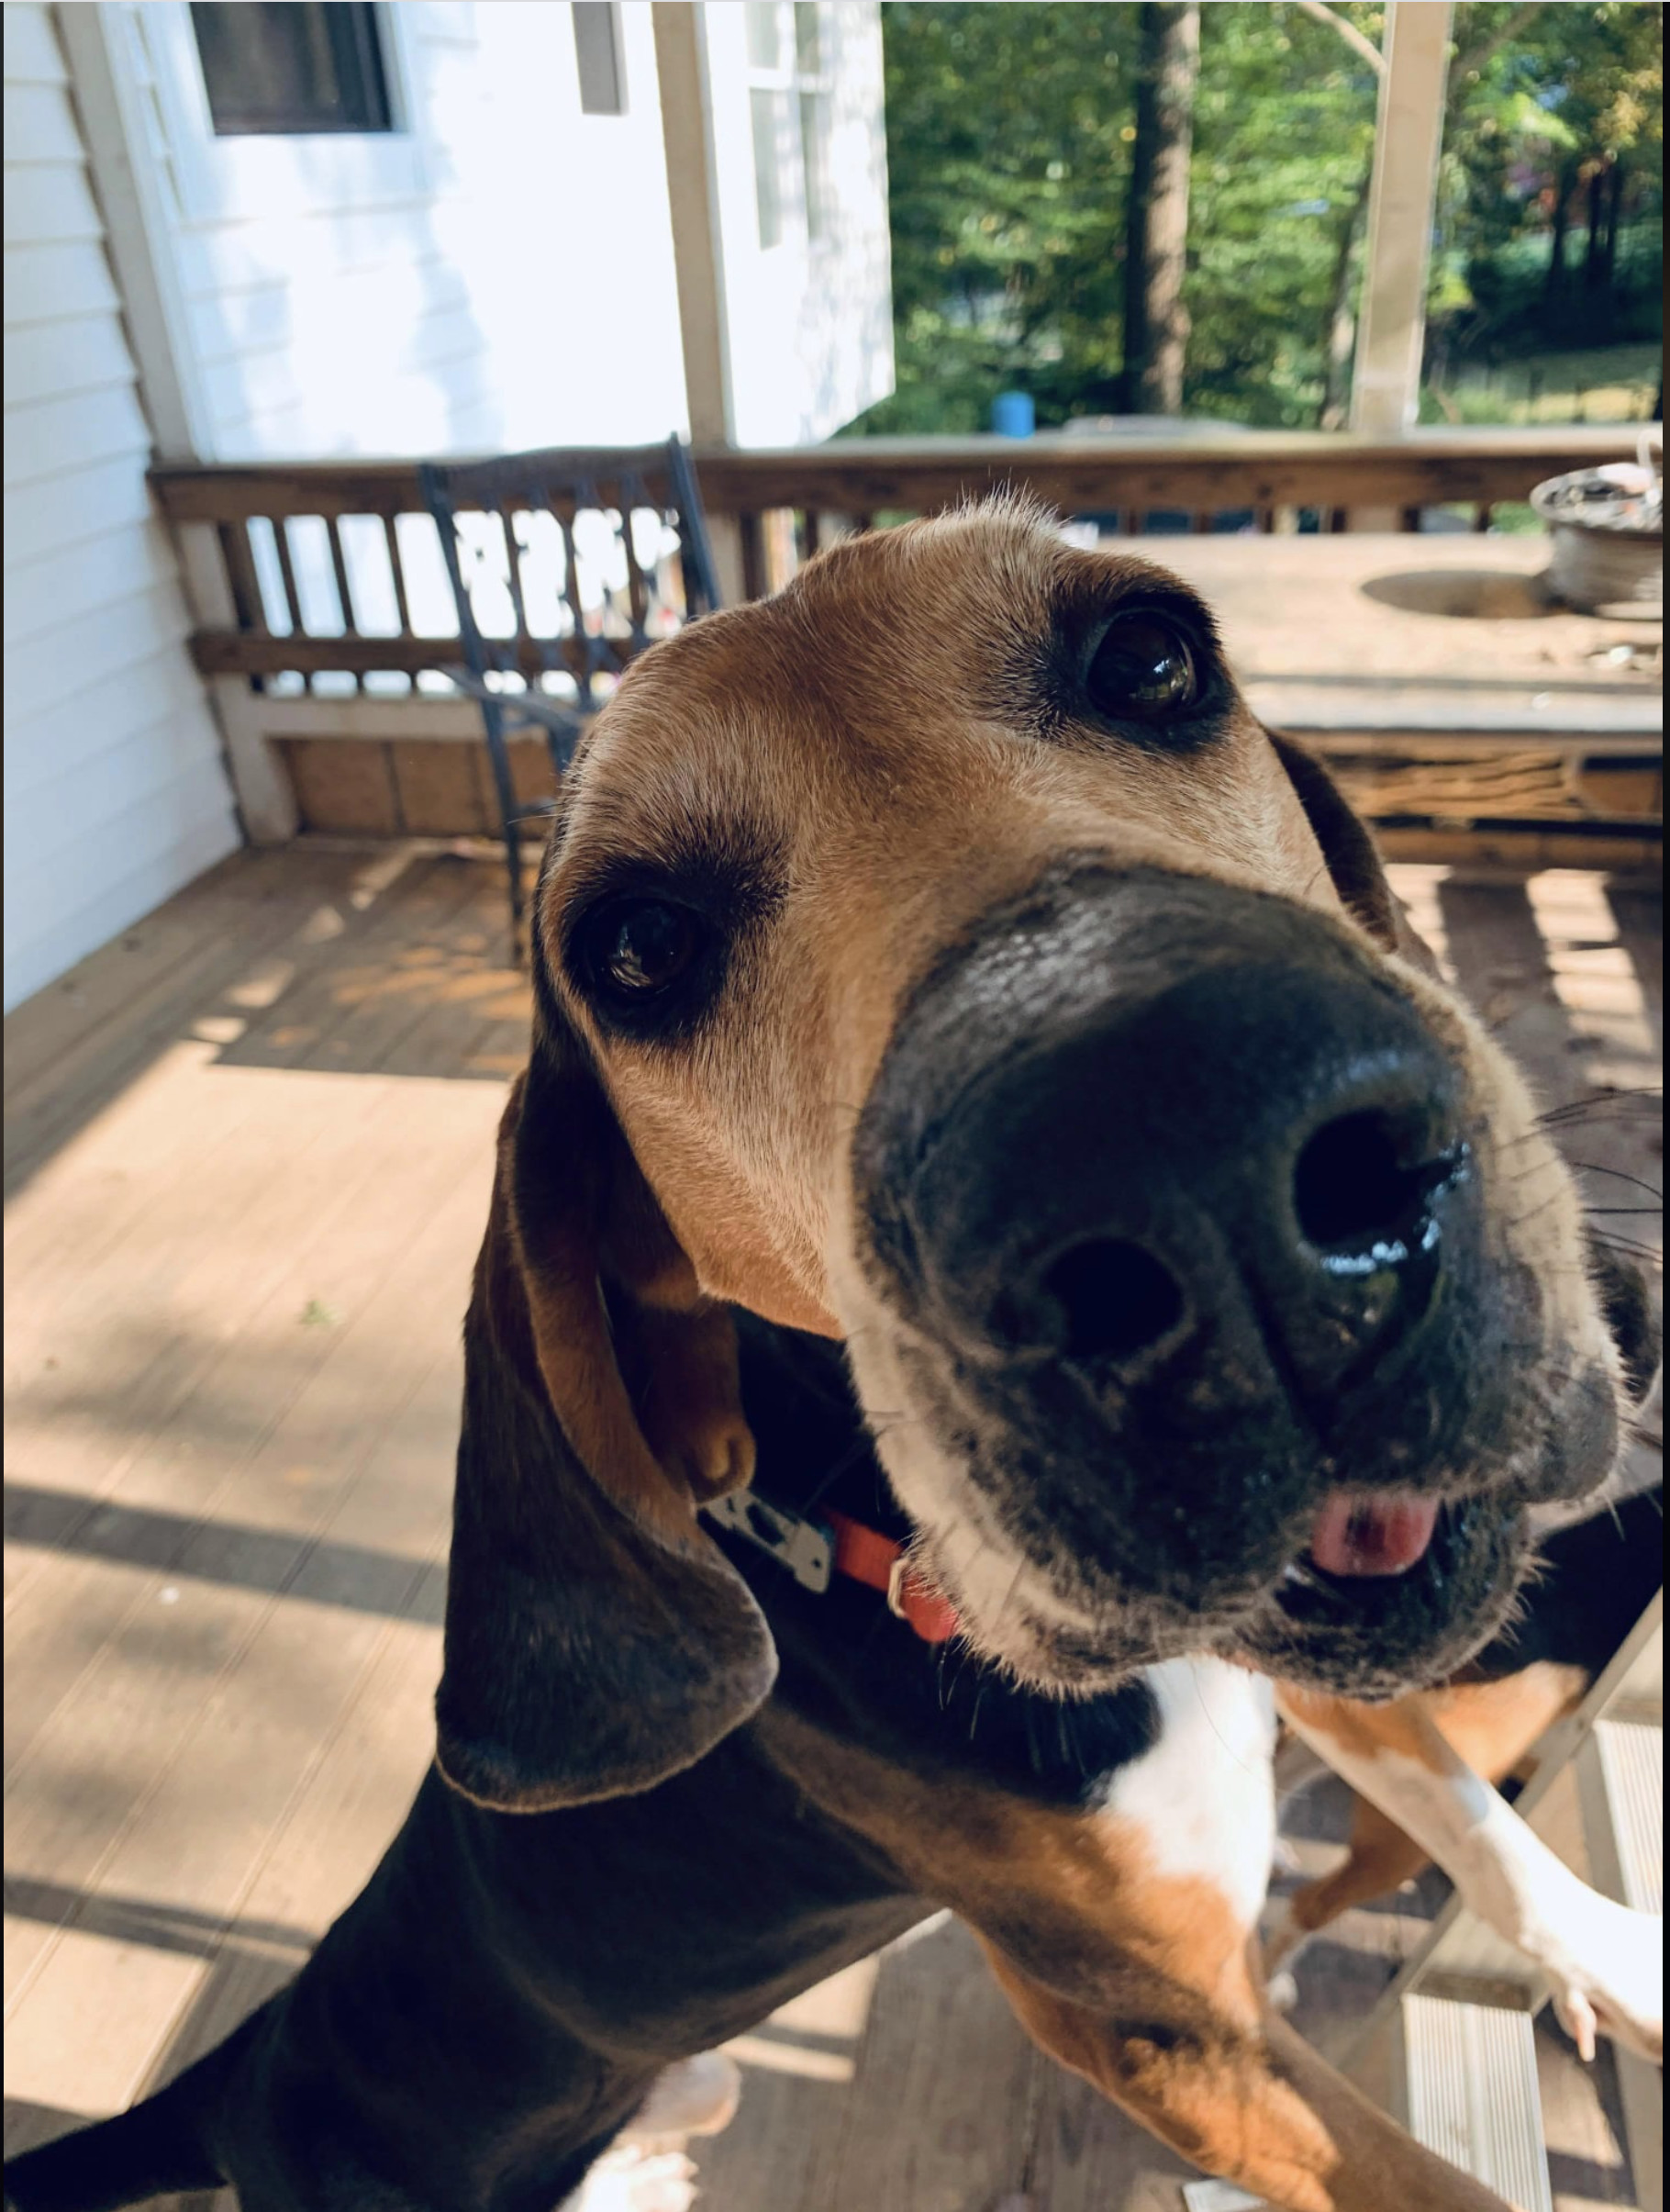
point(596, 1641)
point(1352, 863)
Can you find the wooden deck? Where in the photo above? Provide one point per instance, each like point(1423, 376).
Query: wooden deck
point(247, 1158)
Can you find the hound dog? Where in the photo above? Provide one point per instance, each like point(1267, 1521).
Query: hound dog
point(1002, 1254)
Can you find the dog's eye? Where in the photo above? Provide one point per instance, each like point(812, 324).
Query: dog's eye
point(1142, 670)
point(643, 947)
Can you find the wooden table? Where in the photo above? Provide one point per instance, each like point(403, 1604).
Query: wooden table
point(1468, 713)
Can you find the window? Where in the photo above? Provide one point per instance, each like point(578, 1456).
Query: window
point(789, 111)
point(597, 51)
point(809, 43)
point(762, 30)
point(283, 68)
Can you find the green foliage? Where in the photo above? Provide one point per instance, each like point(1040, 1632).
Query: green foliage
point(1283, 141)
point(1541, 99)
point(1010, 129)
point(1008, 150)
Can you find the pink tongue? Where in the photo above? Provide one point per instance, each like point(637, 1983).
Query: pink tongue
point(1360, 1533)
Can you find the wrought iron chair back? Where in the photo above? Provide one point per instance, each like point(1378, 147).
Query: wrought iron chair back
point(564, 565)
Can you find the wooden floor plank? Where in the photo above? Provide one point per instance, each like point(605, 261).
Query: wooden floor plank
point(75, 1801)
point(99, 1065)
point(169, 948)
point(188, 1463)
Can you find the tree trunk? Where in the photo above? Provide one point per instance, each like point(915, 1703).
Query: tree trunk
point(1614, 211)
point(1553, 285)
point(1342, 333)
point(1156, 211)
point(1594, 258)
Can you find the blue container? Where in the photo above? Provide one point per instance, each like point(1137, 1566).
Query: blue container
point(1013, 414)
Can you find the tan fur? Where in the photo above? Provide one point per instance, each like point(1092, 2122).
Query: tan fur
point(898, 831)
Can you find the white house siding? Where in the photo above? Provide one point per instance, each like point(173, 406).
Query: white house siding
point(115, 792)
point(808, 336)
point(499, 273)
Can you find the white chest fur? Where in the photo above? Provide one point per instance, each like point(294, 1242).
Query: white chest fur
point(1203, 1795)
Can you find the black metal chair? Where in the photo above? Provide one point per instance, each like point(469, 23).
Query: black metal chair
point(599, 598)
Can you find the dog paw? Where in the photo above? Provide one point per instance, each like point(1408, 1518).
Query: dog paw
point(698, 2096)
point(1576, 2016)
point(628, 2179)
point(1614, 1981)
point(1281, 1992)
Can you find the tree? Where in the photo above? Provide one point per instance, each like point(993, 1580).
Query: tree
point(1009, 143)
point(1155, 338)
point(1013, 132)
point(1557, 129)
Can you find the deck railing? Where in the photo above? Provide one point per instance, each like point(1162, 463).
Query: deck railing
point(323, 612)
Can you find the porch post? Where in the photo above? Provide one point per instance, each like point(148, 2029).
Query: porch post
point(1408, 138)
point(698, 254)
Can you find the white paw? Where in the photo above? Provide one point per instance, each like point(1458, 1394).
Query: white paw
point(698, 2096)
point(1614, 1981)
point(1282, 1992)
point(1283, 1858)
point(628, 2179)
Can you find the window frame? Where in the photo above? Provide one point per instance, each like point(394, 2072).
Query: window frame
point(803, 171)
point(217, 179)
point(365, 42)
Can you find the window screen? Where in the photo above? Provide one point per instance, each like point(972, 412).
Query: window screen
point(288, 68)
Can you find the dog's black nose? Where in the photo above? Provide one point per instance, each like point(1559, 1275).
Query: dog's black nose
point(1167, 1131)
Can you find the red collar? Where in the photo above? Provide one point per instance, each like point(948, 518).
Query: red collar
point(834, 1543)
point(876, 1560)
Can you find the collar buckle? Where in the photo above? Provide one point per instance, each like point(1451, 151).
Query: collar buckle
point(895, 1587)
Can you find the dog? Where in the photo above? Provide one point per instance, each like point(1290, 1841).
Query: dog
point(1005, 1262)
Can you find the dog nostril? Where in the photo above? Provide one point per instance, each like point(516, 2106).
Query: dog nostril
point(1114, 1299)
point(1350, 1188)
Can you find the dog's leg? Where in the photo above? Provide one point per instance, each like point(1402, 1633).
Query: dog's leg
point(1606, 1962)
point(1491, 1725)
point(1122, 1933)
point(1245, 2097)
point(1380, 1859)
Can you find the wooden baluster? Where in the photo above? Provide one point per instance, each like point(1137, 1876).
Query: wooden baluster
point(753, 556)
point(504, 516)
point(578, 657)
point(391, 538)
point(242, 576)
point(339, 568)
point(286, 570)
point(638, 596)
